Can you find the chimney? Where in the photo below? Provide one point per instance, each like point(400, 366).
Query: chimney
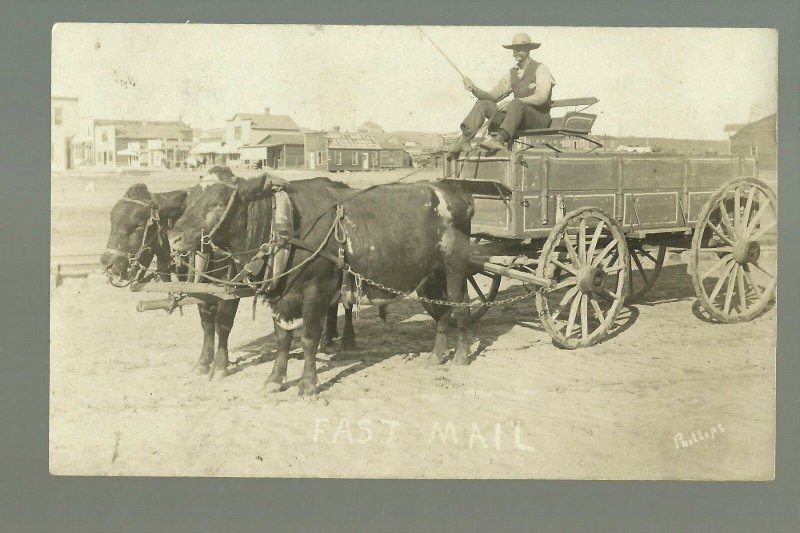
point(266, 111)
point(336, 129)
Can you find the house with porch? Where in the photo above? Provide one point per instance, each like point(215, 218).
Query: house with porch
point(336, 151)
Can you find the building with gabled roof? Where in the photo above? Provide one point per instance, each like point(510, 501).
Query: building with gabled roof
point(759, 140)
point(336, 151)
point(276, 151)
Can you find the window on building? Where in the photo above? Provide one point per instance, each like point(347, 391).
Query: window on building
point(105, 137)
point(57, 116)
point(374, 158)
point(753, 149)
point(339, 158)
point(354, 159)
point(237, 133)
point(319, 158)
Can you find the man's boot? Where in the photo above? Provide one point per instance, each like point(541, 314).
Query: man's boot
point(494, 144)
point(460, 145)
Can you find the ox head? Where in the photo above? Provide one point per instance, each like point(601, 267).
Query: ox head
point(136, 231)
point(212, 214)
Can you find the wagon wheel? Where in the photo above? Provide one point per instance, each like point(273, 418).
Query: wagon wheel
point(643, 268)
point(734, 269)
point(481, 287)
point(581, 308)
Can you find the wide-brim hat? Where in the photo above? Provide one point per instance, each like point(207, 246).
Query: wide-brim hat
point(522, 41)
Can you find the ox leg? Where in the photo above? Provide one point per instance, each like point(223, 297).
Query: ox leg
point(283, 340)
point(349, 334)
point(330, 332)
point(456, 290)
point(207, 314)
point(441, 314)
point(314, 308)
point(226, 313)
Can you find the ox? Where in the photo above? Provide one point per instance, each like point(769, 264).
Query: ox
point(406, 237)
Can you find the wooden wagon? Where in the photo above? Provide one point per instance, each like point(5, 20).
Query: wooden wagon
point(587, 232)
point(591, 229)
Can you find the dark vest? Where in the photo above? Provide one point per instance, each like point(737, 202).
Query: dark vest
point(522, 86)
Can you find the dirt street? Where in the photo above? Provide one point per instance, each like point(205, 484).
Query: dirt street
point(670, 396)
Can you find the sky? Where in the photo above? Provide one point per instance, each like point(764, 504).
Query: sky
point(657, 82)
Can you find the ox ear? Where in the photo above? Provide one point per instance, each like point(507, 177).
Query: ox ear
point(252, 189)
point(172, 205)
point(138, 191)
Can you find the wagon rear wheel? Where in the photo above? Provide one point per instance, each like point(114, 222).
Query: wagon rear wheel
point(734, 254)
point(581, 308)
point(643, 268)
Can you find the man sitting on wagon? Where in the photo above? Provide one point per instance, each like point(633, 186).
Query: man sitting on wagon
point(531, 83)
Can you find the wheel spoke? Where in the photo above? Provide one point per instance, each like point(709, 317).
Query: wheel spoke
point(611, 245)
point(721, 281)
point(742, 291)
point(573, 312)
point(639, 266)
point(753, 223)
point(747, 207)
point(752, 283)
point(582, 241)
point(763, 230)
point(561, 265)
point(731, 285)
point(566, 283)
point(478, 290)
point(722, 261)
point(608, 294)
point(595, 238)
point(719, 233)
point(615, 268)
point(584, 316)
point(567, 297)
point(771, 276)
point(726, 220)
point(597, 310)
point(736, 219)
point(571, 251)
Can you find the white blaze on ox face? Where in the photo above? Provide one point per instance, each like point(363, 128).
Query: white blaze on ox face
point(448, 239)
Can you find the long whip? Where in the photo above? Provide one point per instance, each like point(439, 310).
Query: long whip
point(442, 52)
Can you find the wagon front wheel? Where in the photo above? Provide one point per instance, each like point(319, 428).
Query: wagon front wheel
point(581, 306)
point(734, 251)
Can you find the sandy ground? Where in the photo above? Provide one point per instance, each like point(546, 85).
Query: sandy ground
point(123, 400)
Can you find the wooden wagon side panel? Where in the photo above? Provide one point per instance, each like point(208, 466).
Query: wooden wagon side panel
point(652, 192)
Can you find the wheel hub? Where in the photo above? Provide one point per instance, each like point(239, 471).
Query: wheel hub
point(746, 252)
point(591, 279)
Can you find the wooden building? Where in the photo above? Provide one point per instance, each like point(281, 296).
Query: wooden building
point(64, 126)
point(131, 143)
point(336, 152)
point(759, 140)
point(276, 151)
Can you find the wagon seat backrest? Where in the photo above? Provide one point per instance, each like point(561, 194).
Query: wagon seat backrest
point(571, 122)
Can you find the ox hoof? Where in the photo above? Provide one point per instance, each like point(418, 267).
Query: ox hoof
point(216, 374)
point(431, 359)
point(461, 360)
point(307, 387)
point(201, 369)
point(272, 387)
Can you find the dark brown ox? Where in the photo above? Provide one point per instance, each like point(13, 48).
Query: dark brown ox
point(139, 225)
point(406, 237)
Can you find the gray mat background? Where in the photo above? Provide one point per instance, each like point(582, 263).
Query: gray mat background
point(31, 500)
